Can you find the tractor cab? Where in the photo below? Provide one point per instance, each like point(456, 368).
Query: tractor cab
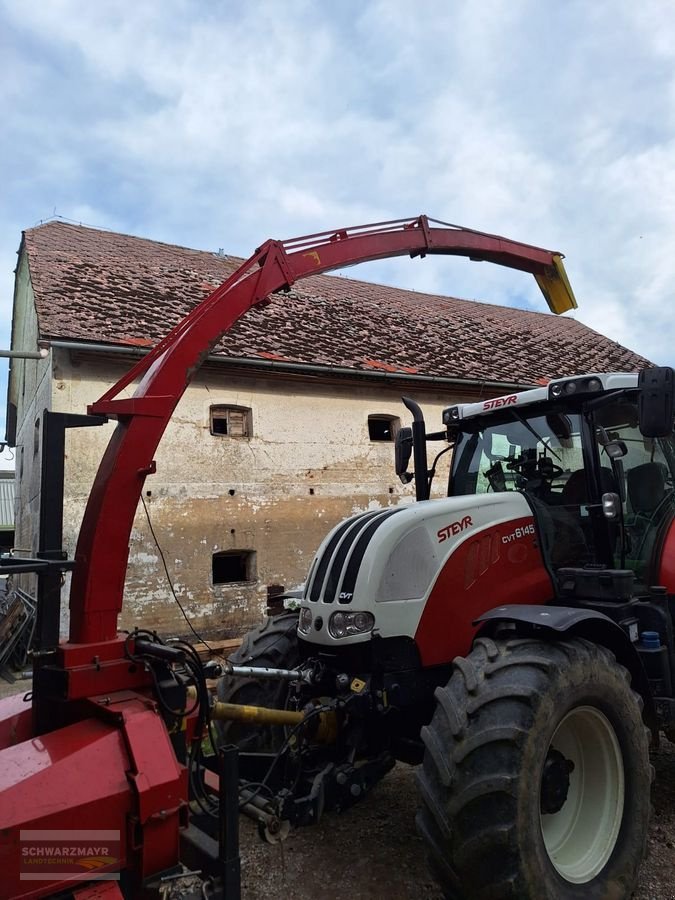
point(600, 489)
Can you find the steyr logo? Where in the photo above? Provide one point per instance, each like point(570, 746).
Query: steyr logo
point(500, 401)
point(454, 528)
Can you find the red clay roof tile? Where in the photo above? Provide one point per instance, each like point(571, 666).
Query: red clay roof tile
point(94, 285)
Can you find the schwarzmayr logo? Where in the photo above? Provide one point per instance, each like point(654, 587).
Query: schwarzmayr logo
point(66, 855)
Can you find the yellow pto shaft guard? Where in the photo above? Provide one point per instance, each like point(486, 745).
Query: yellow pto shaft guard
point(326, 723)
point(258, 715)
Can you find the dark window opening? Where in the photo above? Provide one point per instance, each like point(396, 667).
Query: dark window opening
point(10, 430)
point(233, 421)
point(383, 428)
point(232, 566)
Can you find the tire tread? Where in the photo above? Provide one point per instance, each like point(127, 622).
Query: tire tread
point(470, 778)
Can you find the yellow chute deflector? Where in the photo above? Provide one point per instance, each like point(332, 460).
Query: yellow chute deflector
point(556, 288)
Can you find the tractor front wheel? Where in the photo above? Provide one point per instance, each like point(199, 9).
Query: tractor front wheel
point(273, 645)
point(536, 776)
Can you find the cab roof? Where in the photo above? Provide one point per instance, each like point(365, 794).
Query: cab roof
point(593, 383)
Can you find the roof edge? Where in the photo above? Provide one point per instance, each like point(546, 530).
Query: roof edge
point(59, 220)
point(10, 409)
point(299, 368)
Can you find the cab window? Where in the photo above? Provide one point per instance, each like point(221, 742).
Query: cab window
point(538, 455)
point(542, 457)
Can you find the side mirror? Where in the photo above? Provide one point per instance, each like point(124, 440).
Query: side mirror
point(402, 451)
point(616, 449)
point(613, 448)
point(611, 506)
point(656, 401)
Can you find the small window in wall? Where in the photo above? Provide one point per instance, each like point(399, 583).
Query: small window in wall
point(383, 427)
point(232, 566)
point(233, 421)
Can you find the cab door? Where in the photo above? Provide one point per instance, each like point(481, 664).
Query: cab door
point(646, 484)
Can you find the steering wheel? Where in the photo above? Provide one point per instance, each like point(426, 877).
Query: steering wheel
point(550, 471)
point(527, 467)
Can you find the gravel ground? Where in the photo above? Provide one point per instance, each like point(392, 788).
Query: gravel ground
point(372, 851)
point(20, 686)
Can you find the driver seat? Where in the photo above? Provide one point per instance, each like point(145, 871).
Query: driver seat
point(569, 546)
point(646, 488)
point(573, 546)
point(575, 490)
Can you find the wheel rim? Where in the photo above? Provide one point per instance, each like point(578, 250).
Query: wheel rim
point(580, 836)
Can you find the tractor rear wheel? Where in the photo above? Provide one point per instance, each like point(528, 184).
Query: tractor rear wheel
point(536, 776)
point(274, 644)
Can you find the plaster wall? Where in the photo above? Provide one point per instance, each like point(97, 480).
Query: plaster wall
point(308, 464)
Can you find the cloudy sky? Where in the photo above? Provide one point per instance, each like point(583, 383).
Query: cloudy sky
point(219, 124)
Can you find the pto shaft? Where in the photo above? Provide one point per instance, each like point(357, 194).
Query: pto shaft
point(258, 714)
point(323, 728)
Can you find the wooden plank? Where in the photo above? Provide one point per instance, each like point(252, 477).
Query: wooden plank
point(218, 648)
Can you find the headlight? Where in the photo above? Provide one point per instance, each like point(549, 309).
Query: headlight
point(343, 624)
point(305, 620)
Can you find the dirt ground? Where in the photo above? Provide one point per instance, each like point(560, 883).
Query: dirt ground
point(372, 851)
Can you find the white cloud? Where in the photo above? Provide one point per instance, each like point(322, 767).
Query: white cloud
point(220, 125)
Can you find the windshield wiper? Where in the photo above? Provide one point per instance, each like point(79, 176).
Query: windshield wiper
point(532, 431)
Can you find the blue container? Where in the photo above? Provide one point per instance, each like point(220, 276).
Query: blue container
point(650, 640)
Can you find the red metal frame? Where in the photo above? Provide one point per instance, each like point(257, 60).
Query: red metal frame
point(102, 549)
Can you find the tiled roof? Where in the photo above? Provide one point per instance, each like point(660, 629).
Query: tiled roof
point(94, 285)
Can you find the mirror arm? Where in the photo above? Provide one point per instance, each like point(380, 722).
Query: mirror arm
point(419, 449)
point(604, 399)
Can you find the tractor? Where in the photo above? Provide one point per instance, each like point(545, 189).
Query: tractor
point(514, 639)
